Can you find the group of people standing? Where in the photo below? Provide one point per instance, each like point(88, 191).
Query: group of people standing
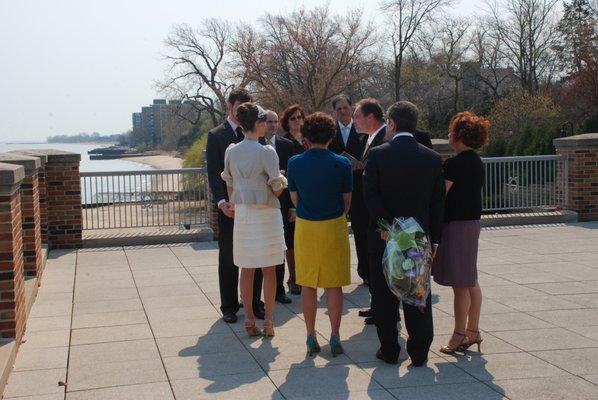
point(288, 195)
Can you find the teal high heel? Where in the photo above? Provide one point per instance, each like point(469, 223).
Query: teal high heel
point(335, 346)
point(312, 345)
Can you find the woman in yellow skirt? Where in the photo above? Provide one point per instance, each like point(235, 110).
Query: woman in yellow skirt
point(320, 184)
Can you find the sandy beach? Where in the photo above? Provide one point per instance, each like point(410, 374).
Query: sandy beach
point(158, 162)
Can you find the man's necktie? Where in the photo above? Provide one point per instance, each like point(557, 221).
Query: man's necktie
point(239, 136)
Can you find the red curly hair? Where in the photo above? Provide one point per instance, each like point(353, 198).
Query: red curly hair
point(470, 129)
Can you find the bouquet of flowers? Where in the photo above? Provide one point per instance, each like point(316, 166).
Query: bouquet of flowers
point(407, 261)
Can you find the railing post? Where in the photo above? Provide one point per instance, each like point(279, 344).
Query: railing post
point(63, 183)
point(442, 147)
point(32, 237)
point(12, 285)
point(581, 172)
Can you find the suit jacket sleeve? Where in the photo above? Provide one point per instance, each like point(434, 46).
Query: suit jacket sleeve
point(437, 208)
point(371, 190)
point(215, 162)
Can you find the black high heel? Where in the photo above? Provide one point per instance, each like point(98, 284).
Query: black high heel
point(478, 340)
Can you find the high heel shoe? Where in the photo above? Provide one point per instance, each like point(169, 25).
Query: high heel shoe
point(448, 349)
point(312, 345)
point(251, 329)
point(335, 346)
point(477, 340)
point(268, 328)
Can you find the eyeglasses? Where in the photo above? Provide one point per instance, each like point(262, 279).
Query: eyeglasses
point(296, 117)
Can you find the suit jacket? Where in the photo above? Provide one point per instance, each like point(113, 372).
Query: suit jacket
point(285, 150)
point(404, 179)
point(358, 208)
point(219, 138)
point(355, 142)
point(423, 137)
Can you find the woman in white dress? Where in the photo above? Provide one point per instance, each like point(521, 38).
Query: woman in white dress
point(254, 182)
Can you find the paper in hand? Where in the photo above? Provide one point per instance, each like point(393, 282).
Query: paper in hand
point(355, 163)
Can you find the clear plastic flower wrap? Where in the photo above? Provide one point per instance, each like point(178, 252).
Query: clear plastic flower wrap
point(407, 261)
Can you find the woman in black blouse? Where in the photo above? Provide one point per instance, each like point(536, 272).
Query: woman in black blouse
point(455, 263)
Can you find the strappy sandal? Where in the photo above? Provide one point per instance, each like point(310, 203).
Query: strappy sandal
point(448, 349)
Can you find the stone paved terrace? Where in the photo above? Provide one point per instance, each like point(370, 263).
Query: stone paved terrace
point(143, 323)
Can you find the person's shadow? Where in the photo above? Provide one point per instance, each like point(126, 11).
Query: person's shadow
point(305, 381)
point(221, 355)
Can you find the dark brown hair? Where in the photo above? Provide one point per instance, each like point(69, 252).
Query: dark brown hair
point(470, 129)
point(339, 98)
point(371, 106)
point(319, 128)
point(404, 115)
point(238, 94)
point(288, 113)
point(247, 115)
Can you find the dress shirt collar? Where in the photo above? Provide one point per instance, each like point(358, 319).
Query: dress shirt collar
point(346, 127)
point(373, 136)
point(273, 141)
point(232, 124)
point(399, 134)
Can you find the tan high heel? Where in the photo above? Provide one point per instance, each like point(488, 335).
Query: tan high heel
point(477, 340)
point(251, 329)
point(448, 349)
point(268, 328)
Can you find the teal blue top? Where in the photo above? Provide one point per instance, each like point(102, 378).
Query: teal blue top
point(320, 178)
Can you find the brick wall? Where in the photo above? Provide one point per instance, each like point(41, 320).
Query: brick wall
point(12, 291)
point(63, 191)
point(32, 235)
point(582, 154)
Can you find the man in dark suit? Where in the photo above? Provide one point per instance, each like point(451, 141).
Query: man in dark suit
point(369, 119)
point(219, 139)
point(423, 138)
point(402, 179)
point(285, 150)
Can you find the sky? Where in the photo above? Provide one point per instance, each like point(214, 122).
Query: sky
point(71, 66)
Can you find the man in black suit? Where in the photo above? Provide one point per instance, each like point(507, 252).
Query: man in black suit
point(402, 179)
point(219, 139)
point(369, 118)
point(285, 150)
point(347, 139)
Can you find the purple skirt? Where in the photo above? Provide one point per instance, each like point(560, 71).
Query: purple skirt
point(456, 261)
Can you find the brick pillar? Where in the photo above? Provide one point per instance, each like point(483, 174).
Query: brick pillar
point(32, 239)
point(42, 190)
point(442, 147)
point(63, 183)
point(12, 291)
point(582, 171)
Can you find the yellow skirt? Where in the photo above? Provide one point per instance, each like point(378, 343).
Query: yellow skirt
point(322, 253)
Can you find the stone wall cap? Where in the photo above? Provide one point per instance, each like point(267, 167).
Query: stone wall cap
point(59, 155)
point(30, 163)
point(43, 158)
point(11, 174)
point(582, 141)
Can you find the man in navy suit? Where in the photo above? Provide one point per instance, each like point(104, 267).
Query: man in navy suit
point(219, 139)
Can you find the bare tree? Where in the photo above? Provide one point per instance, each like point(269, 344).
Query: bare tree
point(488, 53)
point(308, 56)
point(196, 70)
point(447, 46)
point(527, 29)
point(407, 17)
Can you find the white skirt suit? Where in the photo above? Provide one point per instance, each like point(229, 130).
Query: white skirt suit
point(252, 170)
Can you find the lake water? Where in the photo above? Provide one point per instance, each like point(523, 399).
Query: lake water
point(86, 165)
point(102, 189)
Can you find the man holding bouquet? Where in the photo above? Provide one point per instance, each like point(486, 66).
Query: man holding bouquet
point(402, 179)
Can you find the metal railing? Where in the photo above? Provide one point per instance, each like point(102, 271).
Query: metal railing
point(529, 183)
point(134, 199)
